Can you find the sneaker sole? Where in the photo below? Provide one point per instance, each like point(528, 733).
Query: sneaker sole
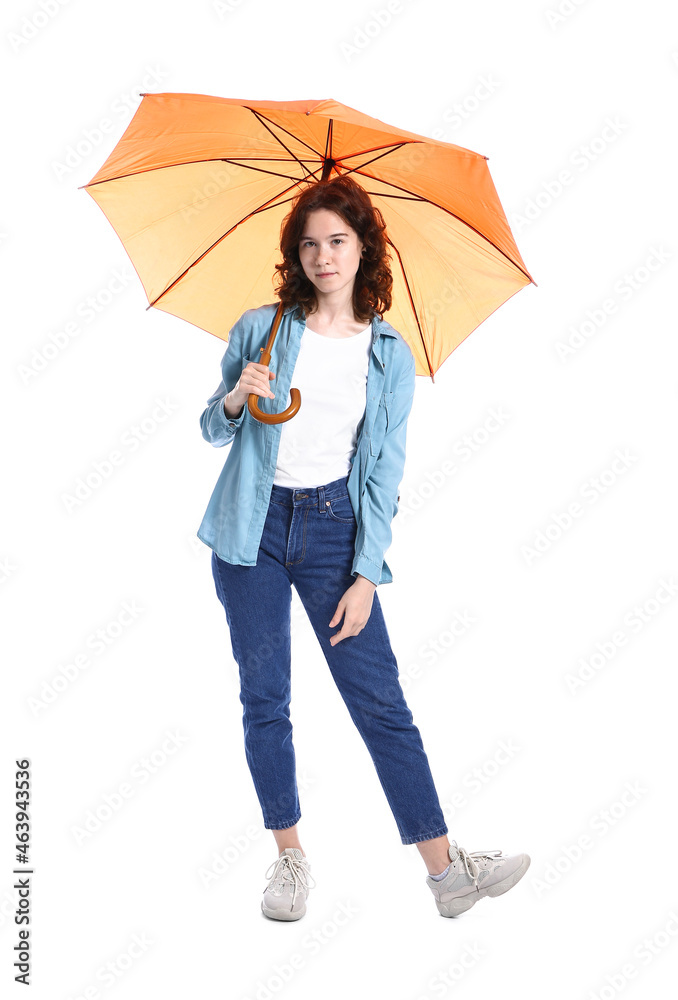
point(463, 903)
point(282, 914)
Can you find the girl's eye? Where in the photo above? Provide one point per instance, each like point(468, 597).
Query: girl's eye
point(336, 239)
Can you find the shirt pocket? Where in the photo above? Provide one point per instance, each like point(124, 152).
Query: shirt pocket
point(381, 422)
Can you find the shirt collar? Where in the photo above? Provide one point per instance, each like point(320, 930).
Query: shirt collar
point(380, 325)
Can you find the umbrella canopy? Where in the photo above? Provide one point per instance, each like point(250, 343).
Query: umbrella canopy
point(197, 189)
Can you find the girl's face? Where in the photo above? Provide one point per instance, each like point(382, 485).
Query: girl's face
point(329, 251)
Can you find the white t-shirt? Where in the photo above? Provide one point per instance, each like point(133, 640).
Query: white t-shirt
point(318, 442)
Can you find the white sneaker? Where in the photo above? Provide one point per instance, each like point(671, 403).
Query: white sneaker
point(285, 895)
point(472, 876)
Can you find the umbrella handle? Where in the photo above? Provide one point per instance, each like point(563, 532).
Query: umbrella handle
point(273, 418)
point(253, 398)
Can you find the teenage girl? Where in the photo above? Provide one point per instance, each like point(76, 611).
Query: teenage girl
point(309, 502)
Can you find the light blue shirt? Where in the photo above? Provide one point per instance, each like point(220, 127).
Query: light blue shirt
point(234, 520)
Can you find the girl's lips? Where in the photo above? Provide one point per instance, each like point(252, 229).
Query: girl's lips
point(327, 274)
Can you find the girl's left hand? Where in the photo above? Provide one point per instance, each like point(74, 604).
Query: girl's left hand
point(356, 607)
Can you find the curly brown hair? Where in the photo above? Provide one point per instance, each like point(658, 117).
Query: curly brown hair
point(373, 281)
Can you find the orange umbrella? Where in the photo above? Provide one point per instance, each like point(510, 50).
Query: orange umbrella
point(198, 186)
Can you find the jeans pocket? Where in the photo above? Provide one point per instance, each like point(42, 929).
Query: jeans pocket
point(341, 509)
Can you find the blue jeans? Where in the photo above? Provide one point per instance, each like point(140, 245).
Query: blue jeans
point(308, 540)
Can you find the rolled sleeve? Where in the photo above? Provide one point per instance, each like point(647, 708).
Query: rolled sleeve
point(218, 428)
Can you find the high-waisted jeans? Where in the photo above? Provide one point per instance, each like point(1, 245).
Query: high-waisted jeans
point(308, 540)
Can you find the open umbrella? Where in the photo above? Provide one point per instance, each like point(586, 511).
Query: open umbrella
point(198, 186)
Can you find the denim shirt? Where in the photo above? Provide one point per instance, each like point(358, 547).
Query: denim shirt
point(234, 520)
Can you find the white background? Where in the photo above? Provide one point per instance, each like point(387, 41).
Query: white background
point(592, 766)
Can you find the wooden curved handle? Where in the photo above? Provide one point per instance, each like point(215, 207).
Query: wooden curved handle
point(253, 398)
point(273, 418)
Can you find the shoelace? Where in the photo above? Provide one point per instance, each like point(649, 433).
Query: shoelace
point(472, 868)
point(293, 870)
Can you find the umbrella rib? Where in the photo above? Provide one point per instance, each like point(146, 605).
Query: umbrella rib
point(273, 173)
point(264, 122)
point(214, 159)
point(272, 203)
point(400, 197)
point(454, 216)
point(264, 119)
point(188, 163)
point(346, 156)
point(328, 162)
point(414, 311)
point(390, 148)
point(362, 166)
point(257, 159)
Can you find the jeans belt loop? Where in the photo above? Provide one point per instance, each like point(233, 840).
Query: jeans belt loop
point(321, 499)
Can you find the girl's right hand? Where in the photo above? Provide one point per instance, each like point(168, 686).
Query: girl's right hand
point(254, 378)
